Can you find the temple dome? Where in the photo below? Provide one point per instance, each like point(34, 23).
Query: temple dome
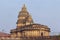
point(24, 18)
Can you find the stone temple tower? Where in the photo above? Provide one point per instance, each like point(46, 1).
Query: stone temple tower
point(27, 28)
point(24, 18)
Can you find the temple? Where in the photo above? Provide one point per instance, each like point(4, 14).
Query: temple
point(26, 27)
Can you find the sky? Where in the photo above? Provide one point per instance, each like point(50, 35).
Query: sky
point(46, 12)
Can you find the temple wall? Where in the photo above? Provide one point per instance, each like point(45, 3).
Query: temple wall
point(35, 33)
point(31, 33)
point(19, 34)
point(45, 33)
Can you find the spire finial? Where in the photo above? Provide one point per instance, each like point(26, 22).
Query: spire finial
point(24, 8)
point(24, 5)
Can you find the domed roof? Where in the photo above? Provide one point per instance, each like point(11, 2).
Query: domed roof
point(34, 27)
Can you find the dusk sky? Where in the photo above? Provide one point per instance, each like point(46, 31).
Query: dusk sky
point(46, 12)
